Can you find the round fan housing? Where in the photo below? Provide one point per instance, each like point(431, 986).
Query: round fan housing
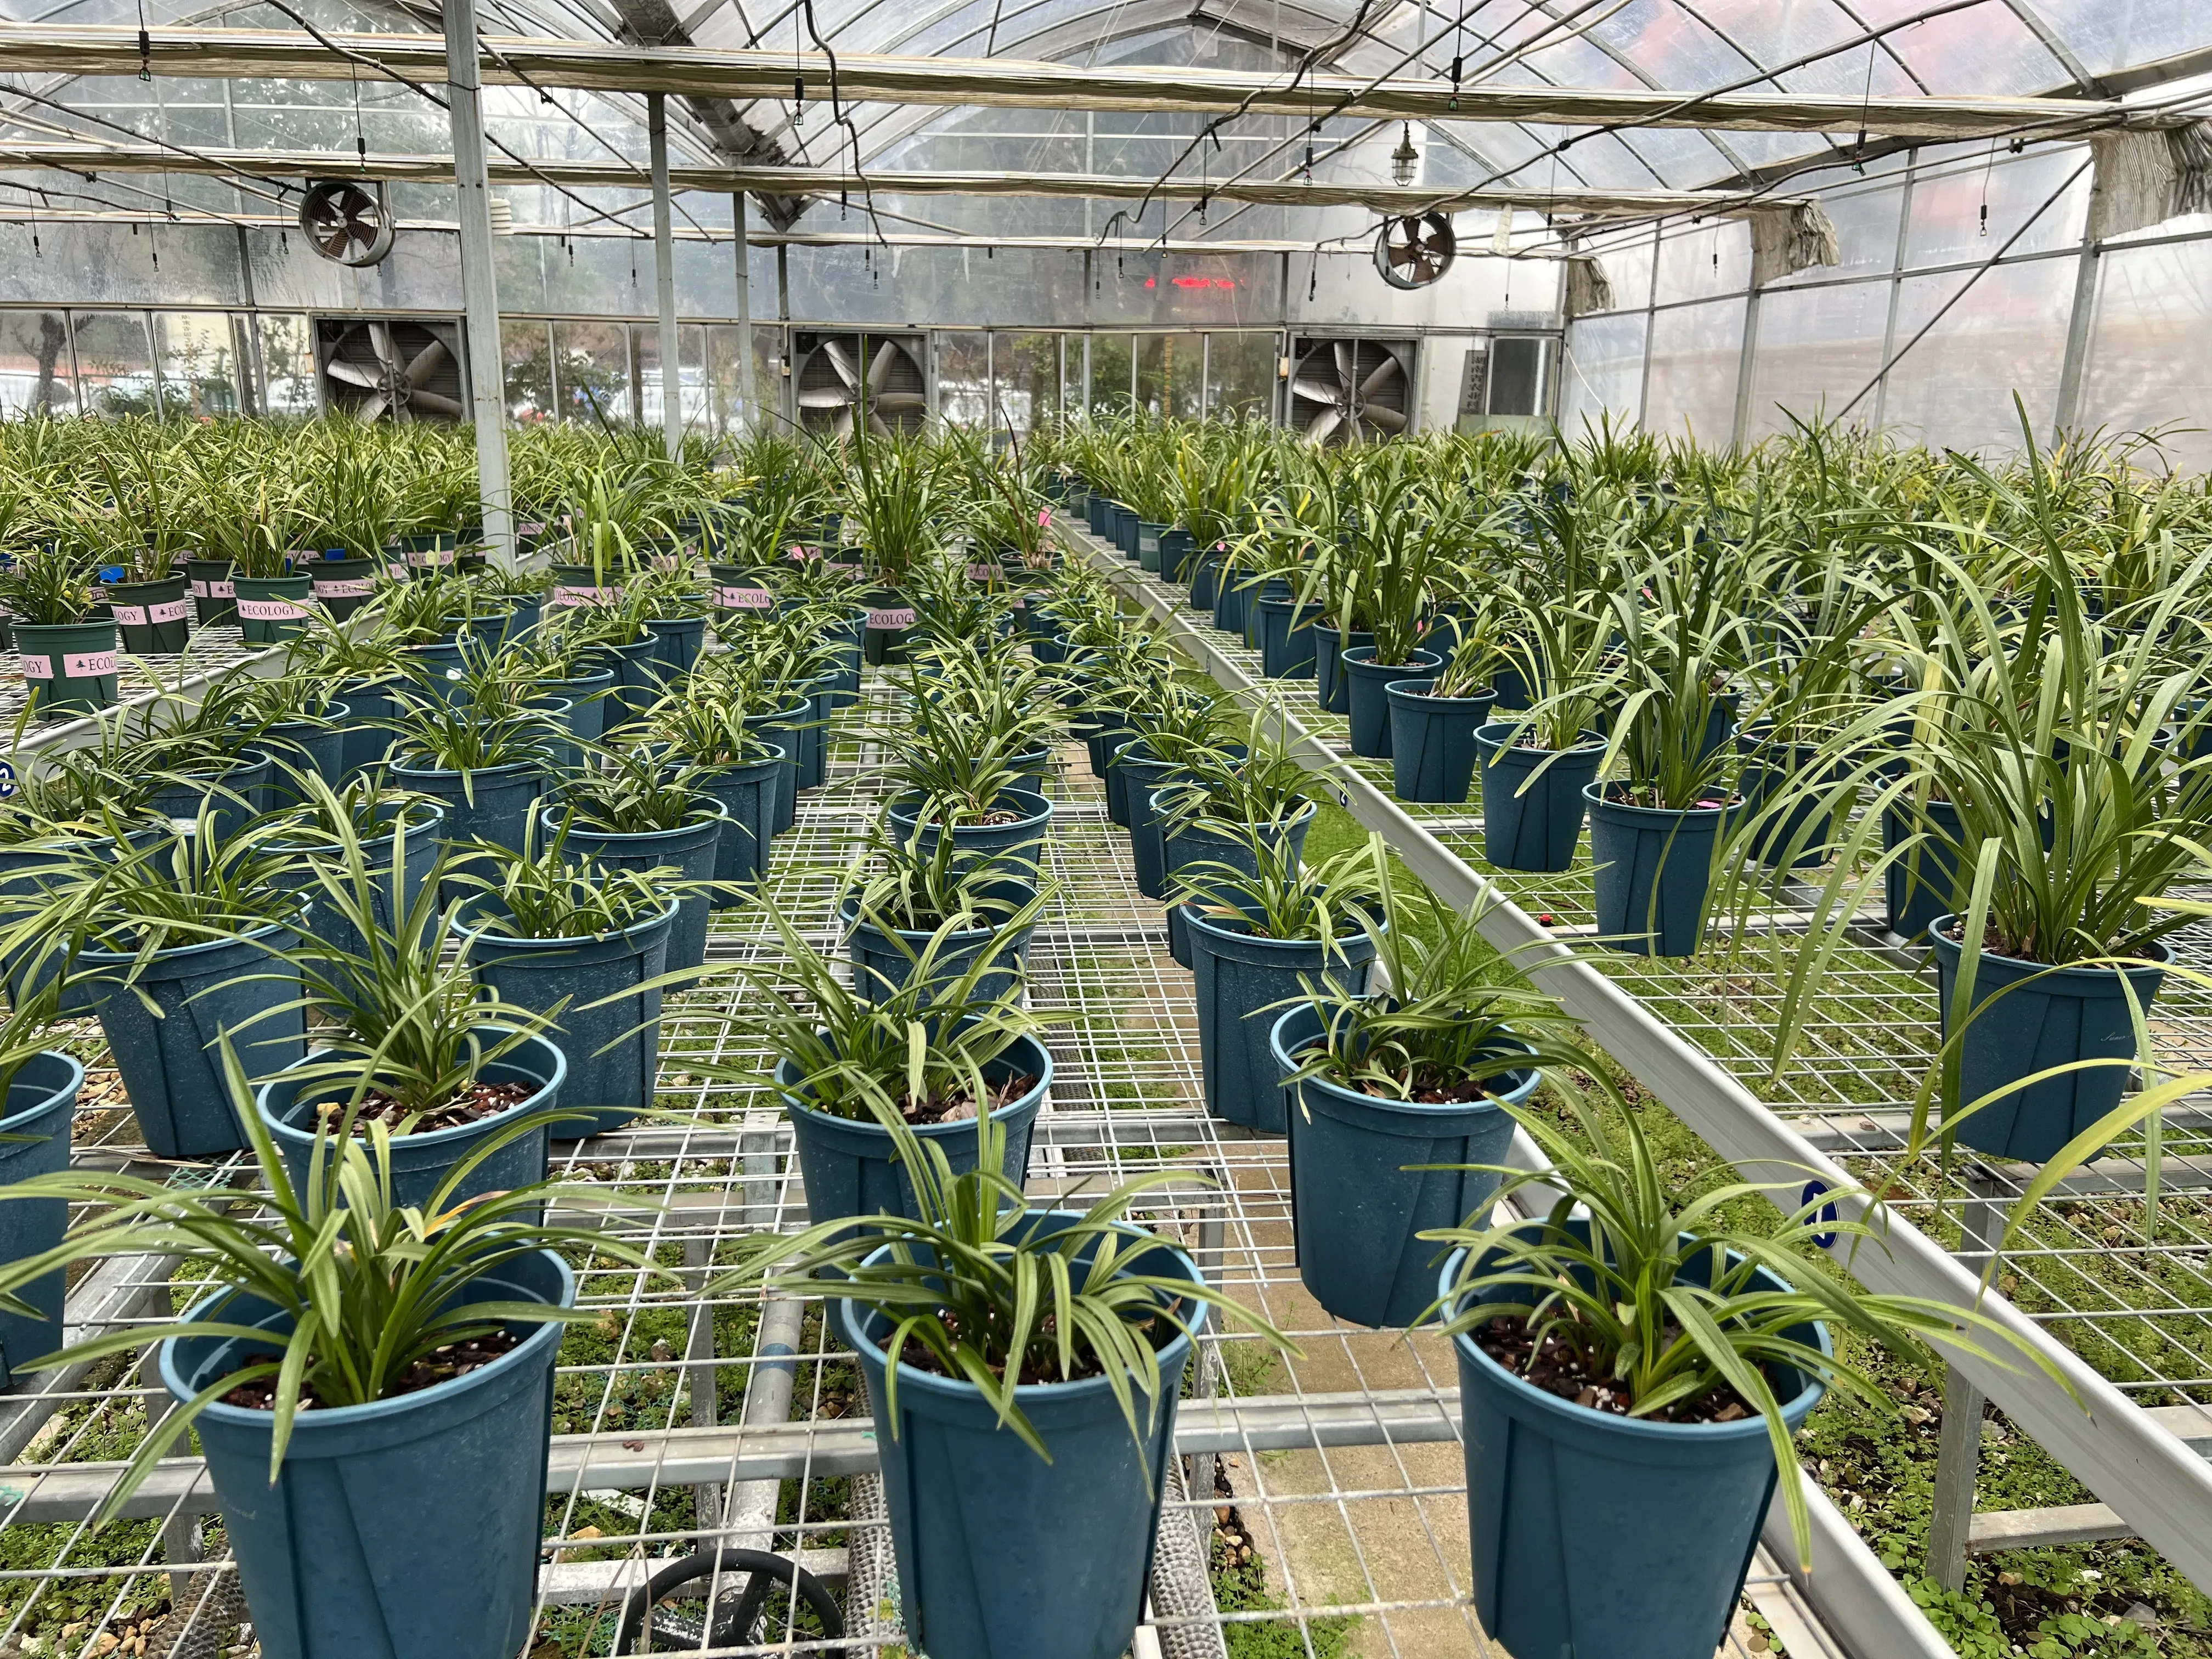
point(1415, 250)
point(349, 221)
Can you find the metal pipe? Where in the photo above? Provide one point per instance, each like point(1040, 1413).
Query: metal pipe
point(479, 285)
point(750, 1520)
point(664, 277)
point(747, 413)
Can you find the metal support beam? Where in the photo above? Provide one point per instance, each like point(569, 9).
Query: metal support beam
point(1746, 364)
point(479, 287)
point(1896, 284)
point(748, 409)
point(664, 276)
point(189, 52)
point(1958, 1448)
point(2067, 414)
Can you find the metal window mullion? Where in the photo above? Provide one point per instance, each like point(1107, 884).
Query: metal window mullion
point(1896, 284)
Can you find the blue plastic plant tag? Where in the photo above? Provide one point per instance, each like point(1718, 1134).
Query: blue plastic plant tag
point(6, 779)
point(1813, 1189)
point(111, 573)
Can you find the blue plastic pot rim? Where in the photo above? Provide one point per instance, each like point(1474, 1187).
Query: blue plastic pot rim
point(507, 772)
point(794, 1100)
point(1403, 690)
point(706, 809)
point(1361, 656)
point(1421, 1113)
point(11, 1123)
point(528, 1352)
point(1693, 819)
point(742, 769)
point(1940, 940)
point(93, 955)
point(433, 1138)
point(1195, 918)
point(900, 812)
point(1571, 1415)
point(854, 1322)
point(435, 809)
point(518, 944)
point(848, 912)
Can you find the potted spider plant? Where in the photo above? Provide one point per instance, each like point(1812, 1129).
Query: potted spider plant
point(953, 778)
point(365, 670)
point(345, 1342)
point(899, 895)
point(39, 1086)
point(273, 590)
point(386, 831)
point(67, 657)
point(484, 763)
point(1039, 1353)
point(1396, 1123)
point(896, 500)
point(411, 1049)
point(1433, 722)
point(716, 746)
point(177, 942)
point(631, 811)
point(1224, 795)
point(1261, 929)
point(586, 948)
point(148, 599)
point(1400, 531)
point(1633, 1366)
point(930, 1054)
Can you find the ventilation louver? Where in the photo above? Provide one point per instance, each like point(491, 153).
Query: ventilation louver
point(401, 369)
point(1345, 391)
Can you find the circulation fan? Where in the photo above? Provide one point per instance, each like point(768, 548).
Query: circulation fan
point(838, 375)
point(1416, 249)
point(404, 369)
point(347, 222)
point(1344, 391)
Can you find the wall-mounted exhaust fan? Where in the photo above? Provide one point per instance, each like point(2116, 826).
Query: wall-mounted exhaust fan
point(839, 375)
point(1343, 390)
point(403, 370)
point(347, 221)
point(1415, 250)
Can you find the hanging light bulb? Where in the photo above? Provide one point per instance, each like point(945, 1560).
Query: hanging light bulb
point(1405, 160)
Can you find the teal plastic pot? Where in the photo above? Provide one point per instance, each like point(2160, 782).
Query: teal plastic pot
point(1240, 976)
point(437, 668)
point(171, 1061)
point(1432, 752)
point(214, 590)
point(40, 1098)
point(813, 734)
point(677, 643)
point(1611, 1537)
point(1176, 547)
point(68, 666)
point(1232, 602)
point(1333, 690)
point(1002, 1555)
point(290, 1106)
point(786, 728)
point(1359, 1199)
point(368, 704)
point(1923, 883)
point(1204, 581)
point(1652, 869)
point(690, 849)
point(491, 803)
point(323, 923)
point(748, 795)
point(587, 691)
point(231, 797)
point(849, 1166)
point(1368, 696)
point(612, 1051)
point(885, 959)
point(272, 609)
point(1012, 849)
point(889, 626)
point(1192, 845)
point(1117, 780)
point(523, 613)
point(1102, 731)
point(341, 586)
point(636, 667)
point(27, 870)
point(2027, 1018)
point(1149, 556)
point(851, 652)
point(152, 617)
point(1287, 636)
point(1142, 779)
point(1770, 772)
point(1532, 813)
point(405, 1529)
point(310, 747)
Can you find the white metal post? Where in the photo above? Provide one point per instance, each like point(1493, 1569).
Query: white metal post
point(479, 287)
point(664, 276)
point(747, 413)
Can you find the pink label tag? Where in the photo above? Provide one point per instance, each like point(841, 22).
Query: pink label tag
point(891, 621)
point(130, 616)
point(169, 610)
point(563, 596)
point(797, 552)
point(1044, 517)
point(416, 556)
point(341, 587)
point(743, 598)
point(535, 529)
point(84, 665)
point(222, 590)
point(198, 590)
point(38, 668)
point(271, 610)
point(985, 572)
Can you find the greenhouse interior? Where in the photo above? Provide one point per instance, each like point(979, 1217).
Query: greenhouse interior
point(1192, 829)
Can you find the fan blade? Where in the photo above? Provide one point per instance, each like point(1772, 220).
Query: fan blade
point(1399, 256)
point(380, 336)
point(842, 361)
point(1388, 369)
point(437, 402)
point(825, 397)
point(876, 424)
point(373, 408)
point(333, 241)
point(1347, 362)
point(1324, 424)
point(1315, 391)
point(352, 374)
point(843, 427)
point(428, 361)
point(353, 201)
point(1381, 415)
point(880, 367)
point(899, 402)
